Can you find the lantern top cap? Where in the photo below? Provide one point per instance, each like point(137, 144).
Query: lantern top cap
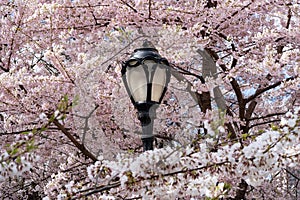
point(145, 49)
point(143, 53)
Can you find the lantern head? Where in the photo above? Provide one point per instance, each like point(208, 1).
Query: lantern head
point(146, 76)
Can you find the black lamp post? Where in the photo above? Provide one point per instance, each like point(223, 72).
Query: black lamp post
point(146, 76)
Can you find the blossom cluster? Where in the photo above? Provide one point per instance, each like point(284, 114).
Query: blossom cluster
point(198, 171)
point(239, 56)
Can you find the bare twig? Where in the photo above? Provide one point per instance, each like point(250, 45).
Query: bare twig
point(266, 122)
point(149, 9)
point(267, 116)
point(131, 7)
point(86, 122)
point(101, 189)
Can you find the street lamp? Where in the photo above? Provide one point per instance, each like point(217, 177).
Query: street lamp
point(146, 76)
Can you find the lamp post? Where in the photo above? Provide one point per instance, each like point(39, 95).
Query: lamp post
point(146, 76)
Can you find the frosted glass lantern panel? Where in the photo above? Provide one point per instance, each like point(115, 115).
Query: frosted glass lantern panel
point(137, 83)
point(159, 82)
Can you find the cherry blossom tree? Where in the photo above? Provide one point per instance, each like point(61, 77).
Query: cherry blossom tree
point(228, 127)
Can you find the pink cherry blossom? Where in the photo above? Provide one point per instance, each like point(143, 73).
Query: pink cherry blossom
point(228, 126)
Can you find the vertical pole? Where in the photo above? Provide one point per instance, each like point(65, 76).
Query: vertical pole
point(147, 137)
point(146, 115)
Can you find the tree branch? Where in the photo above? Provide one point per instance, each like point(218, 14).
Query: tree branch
point(187, 72)
point(102, 188)
point(266, 116)
point(240, 98)
point(211, 4)
point(132, 8)
point(232, 15)
point(85, 6)
point(267, 122)
point(203, 100)
point(248, 114)
point(149, 9)
point(241, 191)
point(28, 130)
point(81, 147)
point(288, 23)
point(272, 86)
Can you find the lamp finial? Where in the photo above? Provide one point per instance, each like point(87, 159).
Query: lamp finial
point(148, 44)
